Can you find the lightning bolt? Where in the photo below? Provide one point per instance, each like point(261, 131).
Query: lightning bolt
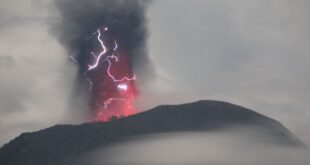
point(73, 59)
point(113, 77)
point(116, 45)
point(109, 58)
point(90, 84)
point(104, 50)
point(107, 102)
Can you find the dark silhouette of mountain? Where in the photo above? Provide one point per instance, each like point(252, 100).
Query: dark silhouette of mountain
point(64, 144)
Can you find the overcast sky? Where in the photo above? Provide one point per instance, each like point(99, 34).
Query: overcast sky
point(253, 53)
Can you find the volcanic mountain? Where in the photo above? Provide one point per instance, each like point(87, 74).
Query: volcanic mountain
point(65, 144)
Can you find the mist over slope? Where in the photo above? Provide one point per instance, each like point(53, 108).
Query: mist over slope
point(68, 144)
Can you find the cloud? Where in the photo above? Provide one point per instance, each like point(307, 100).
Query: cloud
point(214, 148)
point(35, 74)
point(253, 53)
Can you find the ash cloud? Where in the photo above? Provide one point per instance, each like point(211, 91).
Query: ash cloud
point(125, 18)
point(79, 21)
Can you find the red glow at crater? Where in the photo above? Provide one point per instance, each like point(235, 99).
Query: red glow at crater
point(111, 81)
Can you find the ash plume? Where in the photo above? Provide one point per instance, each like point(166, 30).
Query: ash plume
point(126, 18)
point(107, 40)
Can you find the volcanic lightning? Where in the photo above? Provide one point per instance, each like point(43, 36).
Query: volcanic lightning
point(112, 83)
point(122, 87)
point(104, 50)
point(106, 40)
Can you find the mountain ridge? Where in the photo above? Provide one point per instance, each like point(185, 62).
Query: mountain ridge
point(64, 143)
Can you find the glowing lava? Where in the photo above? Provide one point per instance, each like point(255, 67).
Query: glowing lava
point(111, 81)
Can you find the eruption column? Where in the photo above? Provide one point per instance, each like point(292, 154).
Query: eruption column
point(112, 88)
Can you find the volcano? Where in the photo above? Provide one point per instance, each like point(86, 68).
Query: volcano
point(66, 144)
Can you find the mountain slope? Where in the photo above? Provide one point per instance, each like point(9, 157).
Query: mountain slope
point(64, 144)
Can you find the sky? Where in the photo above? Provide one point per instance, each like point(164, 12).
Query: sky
point(253, 53)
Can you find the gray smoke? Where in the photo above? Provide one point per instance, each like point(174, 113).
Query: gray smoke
point(125, 18)
point(127, 24)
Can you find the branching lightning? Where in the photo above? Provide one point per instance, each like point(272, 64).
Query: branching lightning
point(104, 50)
point(108, 57)
point(105, 40)
point(107, 102)
point(111, 58)
point(113, 77)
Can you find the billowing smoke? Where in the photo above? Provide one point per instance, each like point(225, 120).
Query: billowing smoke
point(107, 40)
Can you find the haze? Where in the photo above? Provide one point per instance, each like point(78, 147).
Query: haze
point(254, 53)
